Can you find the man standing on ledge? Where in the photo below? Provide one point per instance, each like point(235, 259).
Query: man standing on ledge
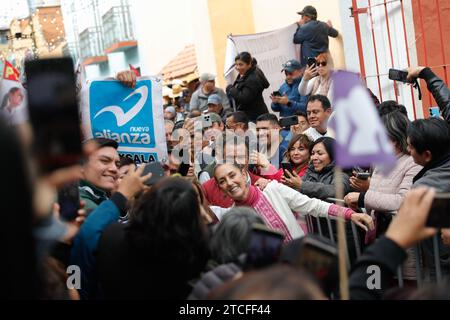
point(312, 34)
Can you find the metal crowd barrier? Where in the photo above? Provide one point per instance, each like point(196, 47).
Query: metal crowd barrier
point(422, 271)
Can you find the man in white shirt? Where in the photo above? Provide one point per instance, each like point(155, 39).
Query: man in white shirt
point(318, 111)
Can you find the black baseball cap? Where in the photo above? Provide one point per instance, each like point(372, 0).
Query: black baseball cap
point(309, 11)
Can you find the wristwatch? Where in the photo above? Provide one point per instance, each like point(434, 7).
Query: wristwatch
point(289, 104)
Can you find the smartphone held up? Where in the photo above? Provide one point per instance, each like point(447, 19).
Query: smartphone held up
point(54, 115)
point(69, 201)
point(288, 121)
point(398, 75)
point(312, 61)
point(157, 171)
point(435, 112)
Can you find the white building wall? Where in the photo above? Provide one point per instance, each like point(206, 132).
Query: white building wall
point(270, 15)
point(163, 29)
point(376, 17)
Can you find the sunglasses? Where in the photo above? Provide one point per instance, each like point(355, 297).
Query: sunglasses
point(323, 64)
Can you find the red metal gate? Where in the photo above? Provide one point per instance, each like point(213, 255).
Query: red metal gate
point(428, 43)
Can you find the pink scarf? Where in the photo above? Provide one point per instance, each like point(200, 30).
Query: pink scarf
point(259, 202)
point(325, 82)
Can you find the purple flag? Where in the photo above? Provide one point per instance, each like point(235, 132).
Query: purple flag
point(360, 136)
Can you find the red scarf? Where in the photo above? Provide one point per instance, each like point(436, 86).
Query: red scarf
point(259, 202)
point(301, 170)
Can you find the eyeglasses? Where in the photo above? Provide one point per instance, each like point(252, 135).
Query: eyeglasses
point(323, 64)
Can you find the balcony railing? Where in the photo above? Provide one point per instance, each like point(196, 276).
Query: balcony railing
point(91, 42)
point(117, 27)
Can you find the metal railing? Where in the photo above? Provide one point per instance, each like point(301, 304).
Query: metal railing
point(423, 271)
point(117, 25)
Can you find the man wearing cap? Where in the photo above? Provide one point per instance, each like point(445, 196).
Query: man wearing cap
point(289, 100)
point(199, 99)
point(215, 105)
point(312, 34)
point(100, 174)
point(170, 113)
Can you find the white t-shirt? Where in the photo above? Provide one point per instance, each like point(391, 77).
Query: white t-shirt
point(313, 134)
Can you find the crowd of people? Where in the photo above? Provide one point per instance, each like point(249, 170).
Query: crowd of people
point(192, 234)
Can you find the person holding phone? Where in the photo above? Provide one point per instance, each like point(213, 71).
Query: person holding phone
point(302, 125)
point(319, 179)
point(436, 86)
point(317, 78)
point(386, 192)
point(298, 157)
point(429, 145)
point(390, 251)
point(287, 99)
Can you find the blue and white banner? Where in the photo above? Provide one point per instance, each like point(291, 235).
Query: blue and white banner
point(131, 116)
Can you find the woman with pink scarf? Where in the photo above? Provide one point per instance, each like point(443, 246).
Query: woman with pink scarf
point(317, 78)
point(277, 203)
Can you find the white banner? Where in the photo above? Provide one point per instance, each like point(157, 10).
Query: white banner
point(131, 116)
point(271, 49)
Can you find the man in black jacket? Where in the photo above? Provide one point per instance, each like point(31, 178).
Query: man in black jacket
point(436, 86)
point(372, 273)
point(312, 34)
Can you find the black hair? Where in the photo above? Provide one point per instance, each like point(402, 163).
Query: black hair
point(299, 113)
point(323, 100)
point(167, 227)
point(328, 144)
point(390, 106)
point(239, 116)
point(268, 117)
point(246, 57)
point(125, 161)
point(396, 124)
point(104, 142)
point(430, 134)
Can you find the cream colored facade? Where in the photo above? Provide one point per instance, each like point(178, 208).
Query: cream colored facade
point(252, 16)
point(164, 28)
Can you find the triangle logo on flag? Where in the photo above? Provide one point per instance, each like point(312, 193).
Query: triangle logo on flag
point(10, 73)
point(361, 138)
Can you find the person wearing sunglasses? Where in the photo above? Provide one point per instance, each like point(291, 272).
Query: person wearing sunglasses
point(317, 77)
